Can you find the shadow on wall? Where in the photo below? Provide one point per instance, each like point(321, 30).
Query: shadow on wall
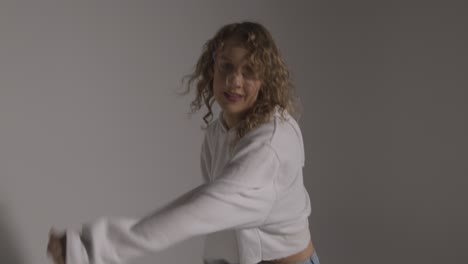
point(9, 251)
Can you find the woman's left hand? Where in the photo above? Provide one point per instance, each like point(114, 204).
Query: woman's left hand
point(57, 247)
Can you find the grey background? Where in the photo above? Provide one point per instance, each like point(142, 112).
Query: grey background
point(90, 124)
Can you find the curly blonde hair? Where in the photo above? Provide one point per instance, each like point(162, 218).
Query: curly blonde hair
point(277, 89)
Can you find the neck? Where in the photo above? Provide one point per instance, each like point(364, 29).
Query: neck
point(230, 121)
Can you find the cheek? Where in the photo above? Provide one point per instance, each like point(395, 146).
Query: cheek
point(253, 91)
point(216, 85)
point(218, 82)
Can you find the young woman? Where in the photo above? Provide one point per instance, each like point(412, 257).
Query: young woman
point(251, 158)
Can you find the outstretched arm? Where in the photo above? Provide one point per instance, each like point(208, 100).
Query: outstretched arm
point(242, 196)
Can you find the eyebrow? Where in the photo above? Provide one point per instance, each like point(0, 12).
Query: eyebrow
point(224, 57)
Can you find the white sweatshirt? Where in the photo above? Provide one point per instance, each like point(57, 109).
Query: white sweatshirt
point(257, 191)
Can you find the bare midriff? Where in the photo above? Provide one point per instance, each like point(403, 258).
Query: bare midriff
point(297, 257)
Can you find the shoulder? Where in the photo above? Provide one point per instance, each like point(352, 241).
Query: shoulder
point(287, 130)
point(287, 141)
point(282, 132)
point(284, 136)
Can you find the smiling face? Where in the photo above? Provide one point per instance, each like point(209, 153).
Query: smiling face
point(235, 83)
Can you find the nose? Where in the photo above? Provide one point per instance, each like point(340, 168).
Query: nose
point(234, 79)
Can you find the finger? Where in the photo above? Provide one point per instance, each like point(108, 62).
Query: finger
point(59, 259)
point(52, 243)
point(57, 255)
point(50, 247)
point(56, 260)
point(54, 246)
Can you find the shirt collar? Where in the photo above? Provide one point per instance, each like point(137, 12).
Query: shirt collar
point(223, 125)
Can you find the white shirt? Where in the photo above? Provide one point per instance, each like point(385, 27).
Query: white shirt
point(257, 190)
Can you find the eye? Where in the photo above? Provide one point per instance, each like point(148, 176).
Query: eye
point(249, 73)
point(226, 67)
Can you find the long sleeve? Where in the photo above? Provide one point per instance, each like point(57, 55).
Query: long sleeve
point(205, 160)
point(241, 197)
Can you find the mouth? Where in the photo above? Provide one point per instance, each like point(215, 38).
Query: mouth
point(233, 97)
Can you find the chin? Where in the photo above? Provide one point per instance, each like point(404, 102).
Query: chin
point(232, 110)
